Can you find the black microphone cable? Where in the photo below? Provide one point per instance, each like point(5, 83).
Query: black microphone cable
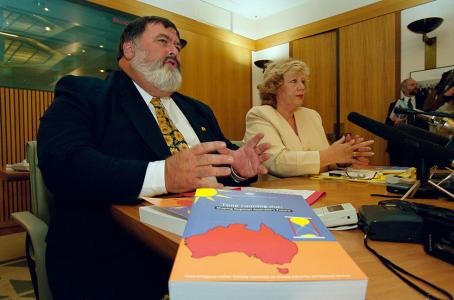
point(398, 271)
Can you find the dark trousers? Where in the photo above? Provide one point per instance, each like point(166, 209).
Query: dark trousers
point(122, 268)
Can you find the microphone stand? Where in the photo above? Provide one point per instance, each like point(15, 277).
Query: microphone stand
point(431, 113)
point(438, 185)
point(425, 184)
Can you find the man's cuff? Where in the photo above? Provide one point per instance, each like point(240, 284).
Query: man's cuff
point(154, 181)
point(237, 178)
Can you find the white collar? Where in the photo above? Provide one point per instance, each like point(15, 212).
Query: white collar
point(147, 97)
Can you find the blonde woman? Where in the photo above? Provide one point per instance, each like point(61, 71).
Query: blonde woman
point(298, 140)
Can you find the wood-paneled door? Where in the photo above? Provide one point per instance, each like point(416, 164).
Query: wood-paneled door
point(319, 52)
point(353, 69)
point(369, 68)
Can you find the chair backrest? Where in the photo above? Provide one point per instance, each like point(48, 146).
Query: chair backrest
point(41, 198)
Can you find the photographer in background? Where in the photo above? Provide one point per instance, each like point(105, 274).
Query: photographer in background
point(411, 99)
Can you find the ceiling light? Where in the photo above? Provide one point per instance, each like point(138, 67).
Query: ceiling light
point(83, 51)
point(69, 54)
point(46, 9)
point(102, 71)
point(8, 34)
point(101, 46)
point(47, 28)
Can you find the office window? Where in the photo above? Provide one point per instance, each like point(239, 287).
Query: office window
point(42, 40)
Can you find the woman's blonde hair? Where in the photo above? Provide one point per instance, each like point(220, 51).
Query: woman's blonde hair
point(274, 77)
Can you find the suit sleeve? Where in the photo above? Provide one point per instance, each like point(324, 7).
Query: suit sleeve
point(284, 162)
point(72, 166)
point(388, 120)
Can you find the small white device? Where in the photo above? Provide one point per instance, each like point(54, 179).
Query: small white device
point(338, 215)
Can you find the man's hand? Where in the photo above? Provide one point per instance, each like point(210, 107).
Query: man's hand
point(449, 92)
point(247, 161)
point(399, 120)
point(184, 171)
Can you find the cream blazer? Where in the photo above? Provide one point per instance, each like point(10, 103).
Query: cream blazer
point(291, 154)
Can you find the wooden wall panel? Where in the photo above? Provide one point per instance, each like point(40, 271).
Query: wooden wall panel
point(319, 53)
point(20, 111)
point(219, 74)
point(369, 62)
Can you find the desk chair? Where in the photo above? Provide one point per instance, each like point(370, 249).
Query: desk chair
point(36, 225)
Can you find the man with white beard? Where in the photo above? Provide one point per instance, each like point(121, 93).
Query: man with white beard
point(104, 142)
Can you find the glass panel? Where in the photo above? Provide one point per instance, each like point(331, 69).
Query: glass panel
point(42, 40)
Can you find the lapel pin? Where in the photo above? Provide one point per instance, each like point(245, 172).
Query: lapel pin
point(203, 128)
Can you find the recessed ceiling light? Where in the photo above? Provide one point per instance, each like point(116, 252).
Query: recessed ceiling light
point(47, 28)
point(46, 9)
point(102, 71)
point(101, 46)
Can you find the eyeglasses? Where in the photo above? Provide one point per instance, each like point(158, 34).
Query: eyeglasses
point(364, 175)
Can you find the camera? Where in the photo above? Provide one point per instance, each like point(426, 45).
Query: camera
point(446, 82)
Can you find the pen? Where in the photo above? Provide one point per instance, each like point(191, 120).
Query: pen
point(387, 196)
point(334, 174)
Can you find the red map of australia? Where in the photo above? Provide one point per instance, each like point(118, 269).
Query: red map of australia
point(264, 244)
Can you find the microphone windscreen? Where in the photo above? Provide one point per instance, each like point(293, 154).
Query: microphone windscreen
point(404, 111)
point(384, 131)
point(423, 134)
point(434, 153)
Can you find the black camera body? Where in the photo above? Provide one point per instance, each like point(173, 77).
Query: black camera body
point(402, 221)
point(391, 223)
point(438, 237)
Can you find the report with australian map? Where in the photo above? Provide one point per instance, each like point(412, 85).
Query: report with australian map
point(252, 245)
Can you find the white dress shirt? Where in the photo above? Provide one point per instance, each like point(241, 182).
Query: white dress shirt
point(402, 103)
point(154, 181)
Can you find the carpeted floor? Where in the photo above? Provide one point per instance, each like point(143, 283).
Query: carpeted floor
point(15, 282)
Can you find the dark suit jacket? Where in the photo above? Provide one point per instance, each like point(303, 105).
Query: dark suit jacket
point(418, 122)
point(399, 155)
point(94, 145)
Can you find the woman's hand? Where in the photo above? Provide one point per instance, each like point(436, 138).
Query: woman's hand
point(363, 152)
point(347, 150)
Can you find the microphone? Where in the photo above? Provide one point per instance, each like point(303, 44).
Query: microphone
point(408, 111)
point(424, 134)
point(444, 125)
point(405, 111)
point(434, 153)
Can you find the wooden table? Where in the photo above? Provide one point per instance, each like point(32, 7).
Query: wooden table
point(14, 196)
point(382, 283)
point(7, 174)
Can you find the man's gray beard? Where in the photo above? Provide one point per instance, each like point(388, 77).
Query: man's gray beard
point(156, 73)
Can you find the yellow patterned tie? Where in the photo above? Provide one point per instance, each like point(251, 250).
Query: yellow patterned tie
point(173, 137)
